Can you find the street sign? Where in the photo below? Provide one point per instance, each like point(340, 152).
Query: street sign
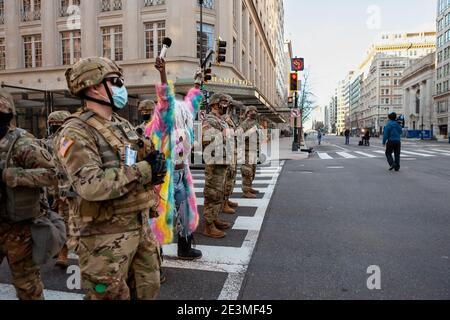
point(298, 64)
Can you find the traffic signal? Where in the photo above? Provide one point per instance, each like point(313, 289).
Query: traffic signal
point(290, 102)
point(207, 74)
point(221, 51)
point(293, 83)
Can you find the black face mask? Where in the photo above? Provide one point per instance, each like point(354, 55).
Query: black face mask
point(5, 121)
point(54, 129)
point(146, 117)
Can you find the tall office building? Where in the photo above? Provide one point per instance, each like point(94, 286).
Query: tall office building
point(442, 87)
point(40, 38)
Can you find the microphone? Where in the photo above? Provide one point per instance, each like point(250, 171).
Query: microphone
point(167, 43)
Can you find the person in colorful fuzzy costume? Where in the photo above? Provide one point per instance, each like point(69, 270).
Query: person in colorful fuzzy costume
point(172, 132)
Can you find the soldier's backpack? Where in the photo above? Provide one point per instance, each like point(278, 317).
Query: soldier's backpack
point(20, 203)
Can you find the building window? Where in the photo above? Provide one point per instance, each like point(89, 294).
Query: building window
point(112, 43)
point(2, 54)
point(65, 5)
point(154, 35)
point(32, 51)
point(111, 5)
point(208, 4)
point(151, 3)
point(30, 10)
point(206, 40)
point(2, 11)
point(71, 46)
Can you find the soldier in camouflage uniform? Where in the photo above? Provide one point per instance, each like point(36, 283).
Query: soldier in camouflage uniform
point(232, 169)
point(215, 135)
point(146, 109)
point(59, 199)
point(24, 165)
point(250, 128)
point(113, 173)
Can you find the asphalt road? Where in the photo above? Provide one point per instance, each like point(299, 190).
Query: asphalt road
point(332, 217)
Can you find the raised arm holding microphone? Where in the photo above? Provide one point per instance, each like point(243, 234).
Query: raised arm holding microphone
point(172, 133)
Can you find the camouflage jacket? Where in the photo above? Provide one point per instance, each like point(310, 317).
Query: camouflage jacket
point(212, 128)
point(112, 197)
point(30, 165)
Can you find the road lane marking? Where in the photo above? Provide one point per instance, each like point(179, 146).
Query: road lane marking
point(417, 154)
point(7, 292)
point(445, 152)
point(324, 156)
point(366, 154)
point(346, 155)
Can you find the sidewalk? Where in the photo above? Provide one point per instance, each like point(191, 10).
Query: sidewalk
point(286, 152)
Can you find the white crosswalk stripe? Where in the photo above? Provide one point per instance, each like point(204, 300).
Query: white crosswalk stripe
point(417, 154)
point(324, 156)
point(445, 152)
point(366, 154)
point(346, 155)
point(373, 153)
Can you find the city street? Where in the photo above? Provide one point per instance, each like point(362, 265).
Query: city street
point(333, 217)
point(315, 230)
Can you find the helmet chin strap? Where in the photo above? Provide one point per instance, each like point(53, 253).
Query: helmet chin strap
point(102, 102)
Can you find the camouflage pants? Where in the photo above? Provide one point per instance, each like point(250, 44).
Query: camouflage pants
point(231, 181)
point(214, 193)
point(17, 245)
point(120, 266)
point(248, 176)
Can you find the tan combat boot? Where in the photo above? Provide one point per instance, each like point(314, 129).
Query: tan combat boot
point(233, 204)
point(253, 191)
point(227, 209)
point(212, 232)
point(222, 225)
point(249, 195)
point(63, 260)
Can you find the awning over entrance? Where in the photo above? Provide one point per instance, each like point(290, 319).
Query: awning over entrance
point(248, 95)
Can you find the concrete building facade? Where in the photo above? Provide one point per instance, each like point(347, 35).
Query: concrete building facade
point(442, 85)
point(355, 102)
point(418, 85)
point(40, 38)
point(381, 92)
point(343, 104)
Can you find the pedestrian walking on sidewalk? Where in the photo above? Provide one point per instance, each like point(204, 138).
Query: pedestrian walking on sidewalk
point(392, 141)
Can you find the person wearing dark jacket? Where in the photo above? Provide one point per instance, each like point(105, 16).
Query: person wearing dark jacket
point(392, 140)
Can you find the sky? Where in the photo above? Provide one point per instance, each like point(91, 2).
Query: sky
point(333, 36)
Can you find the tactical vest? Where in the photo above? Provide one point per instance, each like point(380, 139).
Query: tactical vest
point(112, 141)
point(20, 203)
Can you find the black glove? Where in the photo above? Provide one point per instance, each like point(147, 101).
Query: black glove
point(157, 161)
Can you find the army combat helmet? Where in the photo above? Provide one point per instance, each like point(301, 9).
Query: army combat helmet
point(249, 109)
point(91, 72)
point(146, 106)
point(57, 118)
point(6, 102)
point(218, 97)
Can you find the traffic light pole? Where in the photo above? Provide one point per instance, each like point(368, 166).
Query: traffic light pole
point(295, 144)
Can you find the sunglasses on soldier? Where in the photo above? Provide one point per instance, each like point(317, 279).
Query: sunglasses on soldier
point(116, 82)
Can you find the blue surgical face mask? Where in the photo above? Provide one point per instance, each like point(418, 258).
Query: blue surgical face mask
point(120, 97)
